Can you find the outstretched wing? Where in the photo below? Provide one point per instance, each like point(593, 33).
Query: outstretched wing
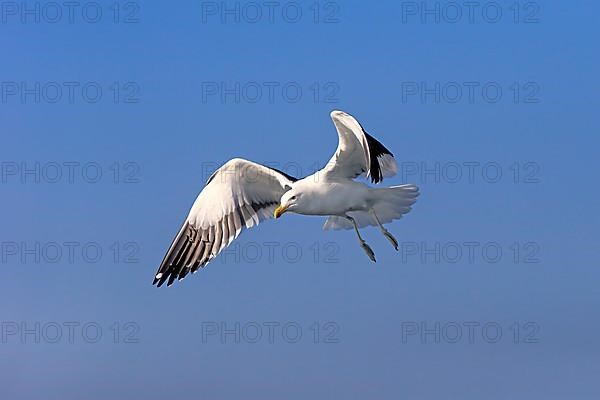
point(239, 194)
point(358, 153)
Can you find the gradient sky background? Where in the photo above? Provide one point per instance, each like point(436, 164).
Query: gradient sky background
point(173, 137)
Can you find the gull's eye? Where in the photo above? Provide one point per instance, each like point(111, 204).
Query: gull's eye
point(293, 198)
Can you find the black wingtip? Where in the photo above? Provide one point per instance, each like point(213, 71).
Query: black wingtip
point(159, 281)
point(376, 150)
point(171, 279)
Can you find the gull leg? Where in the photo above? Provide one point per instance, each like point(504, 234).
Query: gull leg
point(363, 244)
point(385, 232)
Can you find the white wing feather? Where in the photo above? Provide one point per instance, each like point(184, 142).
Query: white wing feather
point(239, 194)
point(357, 153)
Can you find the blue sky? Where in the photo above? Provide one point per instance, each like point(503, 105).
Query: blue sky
point(110, 128)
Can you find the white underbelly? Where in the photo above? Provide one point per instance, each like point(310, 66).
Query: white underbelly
point(340, 198)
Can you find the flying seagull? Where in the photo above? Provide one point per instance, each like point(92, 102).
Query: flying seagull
point(242, 193)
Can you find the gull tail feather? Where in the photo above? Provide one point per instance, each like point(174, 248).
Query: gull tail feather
point(388, 203)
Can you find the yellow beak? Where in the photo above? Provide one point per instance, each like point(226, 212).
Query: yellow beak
point(279, 210)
